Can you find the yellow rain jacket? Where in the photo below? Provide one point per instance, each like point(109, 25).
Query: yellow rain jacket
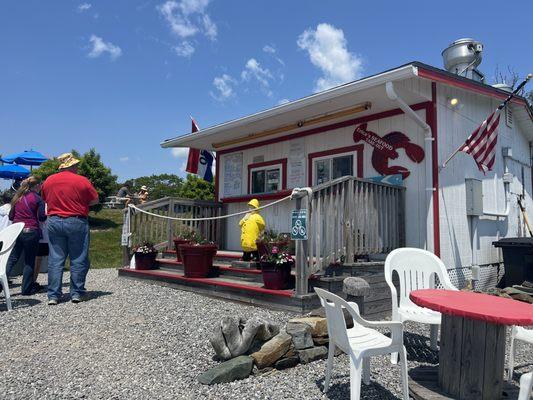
point(251, 225)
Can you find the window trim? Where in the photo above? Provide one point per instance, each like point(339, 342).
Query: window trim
point(281, 163)
point(356, 150)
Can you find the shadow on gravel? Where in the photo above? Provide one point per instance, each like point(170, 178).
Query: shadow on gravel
point(338, 391)
point(18, 303)
point(418, 348)
point(94, 294)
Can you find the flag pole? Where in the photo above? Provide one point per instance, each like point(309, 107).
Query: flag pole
point(514, 93)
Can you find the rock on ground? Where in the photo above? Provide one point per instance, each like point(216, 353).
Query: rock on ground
point(133, 340)
point(228, 371)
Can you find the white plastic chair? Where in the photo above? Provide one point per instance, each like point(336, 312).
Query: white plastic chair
point(416, 269)
point(517, 333)
point(8, 236)
point(526, 384)
point(360, 342)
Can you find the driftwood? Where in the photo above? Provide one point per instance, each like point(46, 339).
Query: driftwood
point(233, 337)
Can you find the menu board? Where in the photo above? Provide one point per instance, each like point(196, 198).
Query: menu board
point(233, 174)
point(296, 167)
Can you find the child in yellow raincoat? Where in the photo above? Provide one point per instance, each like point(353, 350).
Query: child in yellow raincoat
point(251, 225)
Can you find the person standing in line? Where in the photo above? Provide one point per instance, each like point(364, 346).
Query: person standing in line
point(27, 207)
point(68, 197)
point(42, 252)
point(4, 209)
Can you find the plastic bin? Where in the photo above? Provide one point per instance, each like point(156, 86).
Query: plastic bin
point(517, 259)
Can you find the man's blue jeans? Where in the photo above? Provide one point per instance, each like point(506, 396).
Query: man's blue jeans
point(68, 237)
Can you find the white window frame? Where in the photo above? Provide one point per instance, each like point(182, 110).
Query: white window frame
point(266, 168)
point(331, 157)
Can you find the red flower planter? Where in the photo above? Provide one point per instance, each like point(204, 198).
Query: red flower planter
point(177, 243)
point(275, 276)
point(197, 259)
point(145, 260)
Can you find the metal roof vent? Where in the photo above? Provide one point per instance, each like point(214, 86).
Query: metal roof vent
point(462, 57)
point(503, 86)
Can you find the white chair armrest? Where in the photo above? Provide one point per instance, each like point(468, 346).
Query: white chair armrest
point(395, 327)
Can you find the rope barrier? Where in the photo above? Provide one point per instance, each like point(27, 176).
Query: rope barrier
point(294, 192)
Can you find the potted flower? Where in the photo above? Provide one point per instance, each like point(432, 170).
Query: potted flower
point(335, 267)
point(184, 236)
point(270, 238)
point(276, 268)
point(145, 255)
point(197, 256)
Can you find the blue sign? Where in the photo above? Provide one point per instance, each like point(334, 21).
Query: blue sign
point(299, 225)
point(390, 179)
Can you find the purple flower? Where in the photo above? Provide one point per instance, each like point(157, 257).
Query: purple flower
point(275, 250)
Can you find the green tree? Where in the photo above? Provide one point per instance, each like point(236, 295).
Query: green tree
point(198, 189)
point(90, 166)
point(159, 186)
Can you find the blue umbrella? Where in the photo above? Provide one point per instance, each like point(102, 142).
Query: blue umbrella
point(13, 172)
point(28, 157)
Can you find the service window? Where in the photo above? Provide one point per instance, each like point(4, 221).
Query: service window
point(266, 180)
point(327, 169)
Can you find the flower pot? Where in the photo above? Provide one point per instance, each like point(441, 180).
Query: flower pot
point(197, 259)
point(177, 242)
point(145, 260)
point(276, 276)
point(264, 248)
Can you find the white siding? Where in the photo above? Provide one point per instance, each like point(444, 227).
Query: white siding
point(279, 218)
point(454, 126)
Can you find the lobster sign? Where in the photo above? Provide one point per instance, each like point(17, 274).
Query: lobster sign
point(385, 149)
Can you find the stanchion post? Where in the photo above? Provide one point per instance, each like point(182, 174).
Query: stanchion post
point(302, 284)
point(126, 237)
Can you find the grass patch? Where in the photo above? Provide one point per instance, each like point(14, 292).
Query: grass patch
point(106, 230)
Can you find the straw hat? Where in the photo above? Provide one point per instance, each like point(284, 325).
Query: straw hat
point(67, 160)
point(144, 188)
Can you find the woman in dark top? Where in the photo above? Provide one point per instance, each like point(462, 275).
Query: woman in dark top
point(27, 207)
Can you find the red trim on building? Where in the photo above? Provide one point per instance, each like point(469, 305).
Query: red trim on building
point(260, 197)
point(282, 161)
point(431, 117)
point(337, 125)
point(459, 83)
point(358, 148)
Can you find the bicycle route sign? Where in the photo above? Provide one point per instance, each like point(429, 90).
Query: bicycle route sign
point(299, 225)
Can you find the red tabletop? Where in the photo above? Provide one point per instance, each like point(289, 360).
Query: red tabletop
point(482, 307)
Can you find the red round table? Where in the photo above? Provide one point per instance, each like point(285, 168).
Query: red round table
point(472, 344)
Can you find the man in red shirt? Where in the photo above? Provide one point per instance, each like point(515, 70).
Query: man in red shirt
point(68, 197)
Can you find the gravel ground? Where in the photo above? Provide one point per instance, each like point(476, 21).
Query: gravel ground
point(133, 340)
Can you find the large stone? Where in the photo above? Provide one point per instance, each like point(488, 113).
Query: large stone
point(321, 312)
point(319, 325)
point(229, 371)
point(321, 341)
point(301, 335)
point(273, 350)
point(232, 337)
point(313, 354)
point(355, 286)
point(285, 363)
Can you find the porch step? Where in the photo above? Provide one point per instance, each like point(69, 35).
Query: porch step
point(222, 257)
point(229, 288)
point(219, 270)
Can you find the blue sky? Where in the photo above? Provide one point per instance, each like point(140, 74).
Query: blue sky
point(121, 76)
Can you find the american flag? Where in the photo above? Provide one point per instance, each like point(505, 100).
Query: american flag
point(481, 144)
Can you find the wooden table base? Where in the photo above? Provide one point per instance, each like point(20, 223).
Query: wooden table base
point(471, 358)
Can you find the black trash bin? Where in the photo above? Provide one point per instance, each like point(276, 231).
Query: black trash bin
point(517, 259)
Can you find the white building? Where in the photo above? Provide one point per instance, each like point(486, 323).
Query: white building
point(425, 113)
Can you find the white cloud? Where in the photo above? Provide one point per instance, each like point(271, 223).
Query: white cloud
point(327, 49)
point(184, 49)
point(187, 18)
point(84, 7)
point(253, 70)
point(99, 47)
point(283, 101)
point(180, 152)
point(224, 86)
point(270, 49)
point(124, 159)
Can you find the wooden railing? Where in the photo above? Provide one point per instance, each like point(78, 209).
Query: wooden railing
point(351, 218)
point(161, 231)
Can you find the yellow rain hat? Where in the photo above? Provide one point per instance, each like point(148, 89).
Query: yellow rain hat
point(67, 160)
point(254, 203)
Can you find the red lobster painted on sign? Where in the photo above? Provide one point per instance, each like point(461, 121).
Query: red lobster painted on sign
point(385, 149)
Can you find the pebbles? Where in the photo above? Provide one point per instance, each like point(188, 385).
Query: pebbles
point(133, 340)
